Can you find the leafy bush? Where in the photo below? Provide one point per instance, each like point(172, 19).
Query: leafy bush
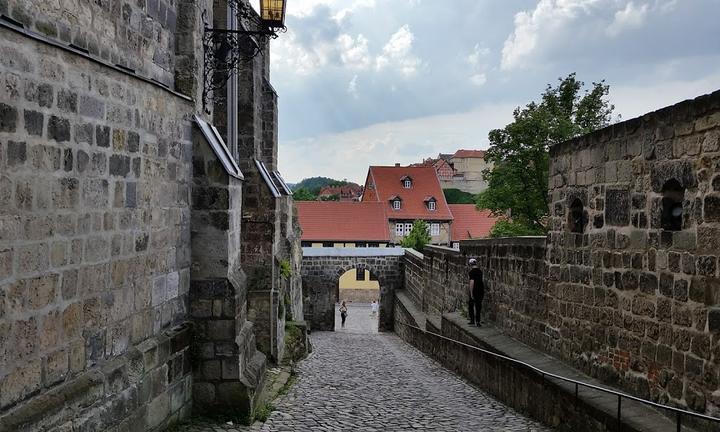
point(515, 228)
point(419, 236)
point(456, 196)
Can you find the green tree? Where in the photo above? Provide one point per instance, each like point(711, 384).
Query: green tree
point(334, 197)
point(456, 196)
point(418, 237)
point(303, 194)
point(519, 152)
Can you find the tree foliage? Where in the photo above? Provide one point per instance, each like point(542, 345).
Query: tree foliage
point(506, 228)
point(418, 237)
point(456, 196)
point(303, 194)
point(314, 184)
point(519, 152)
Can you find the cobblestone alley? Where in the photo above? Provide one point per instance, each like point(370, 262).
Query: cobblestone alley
point(377, 382)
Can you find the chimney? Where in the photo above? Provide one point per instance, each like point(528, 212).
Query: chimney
point(397, 165)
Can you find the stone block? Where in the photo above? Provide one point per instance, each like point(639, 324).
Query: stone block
point(8, 118)
point(20, 382)
point(711, 208)
point(102, 136)
point(617, 207)
point(92, 107)
point(58, 129)
point(67, 101)
point(32, 258)
point(158, 410)
point(46, 158)
point(95, 193)
point(55, 367)
point(159, 291)
point(34, 122)
point(66, 193)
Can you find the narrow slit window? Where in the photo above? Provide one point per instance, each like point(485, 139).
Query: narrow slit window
point(576, 218)
point(672, 206)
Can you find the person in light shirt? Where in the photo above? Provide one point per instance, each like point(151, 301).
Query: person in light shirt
point(374, 308)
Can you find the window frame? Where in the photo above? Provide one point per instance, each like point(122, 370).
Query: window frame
point(358, 272)
point(407, 184)
point(396, 204)
point(432, 205)
point(434, 229)
point(399, 229)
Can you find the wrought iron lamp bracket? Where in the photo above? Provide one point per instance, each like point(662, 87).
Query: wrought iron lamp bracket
point(225, 49)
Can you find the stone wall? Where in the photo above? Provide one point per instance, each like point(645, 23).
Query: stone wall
point(634, 301)
point(138, 35)
point(321, 271)
point(94, 229)
point(625, 299)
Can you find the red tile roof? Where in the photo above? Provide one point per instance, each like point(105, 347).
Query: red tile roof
point(342, 221)
point(469, 154)
point(386, 182)
point(470, 222)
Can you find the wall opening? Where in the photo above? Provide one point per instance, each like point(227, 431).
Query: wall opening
point(577, 220)
point(358, 288)
point(672, 206)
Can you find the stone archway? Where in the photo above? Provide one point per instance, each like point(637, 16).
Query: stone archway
point(322, 268)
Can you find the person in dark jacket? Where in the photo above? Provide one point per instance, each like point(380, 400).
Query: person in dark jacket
point(476, 292)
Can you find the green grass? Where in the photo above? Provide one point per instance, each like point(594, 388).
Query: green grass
point(263, 412)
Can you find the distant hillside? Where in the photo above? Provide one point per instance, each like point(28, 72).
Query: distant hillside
point(314, 184)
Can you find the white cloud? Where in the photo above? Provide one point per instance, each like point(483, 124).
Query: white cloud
point(352, 86)
point(633, 16)
point(397, 53)
point(478, 79)
point(354, 52)
point(547, 17)
point(476, 60)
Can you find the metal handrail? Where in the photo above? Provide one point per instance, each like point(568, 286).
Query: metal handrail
point(678, 411)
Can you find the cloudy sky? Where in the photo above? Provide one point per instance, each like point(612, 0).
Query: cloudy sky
point(364, 82)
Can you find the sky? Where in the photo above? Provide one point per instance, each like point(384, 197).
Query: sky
point(378, 82)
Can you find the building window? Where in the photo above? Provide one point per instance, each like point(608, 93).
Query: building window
point(306, 244)
point(399, 229)
point(407, 183)
point(431, 205)
point(372, 277)
point(328, 244)
point(373, 244)
point(576, 218)
point(408, 227)
point(435, 229)
point(396, 204)
point(672, 206)
point(456, 245)
point(359, 274)
point(360, 244)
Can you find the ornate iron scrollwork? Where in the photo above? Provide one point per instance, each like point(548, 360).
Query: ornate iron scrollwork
point(225, 49)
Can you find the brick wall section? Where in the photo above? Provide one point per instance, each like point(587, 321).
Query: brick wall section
point(94, 222)
point(136, 34)
point(320, 278)
point(635, 303)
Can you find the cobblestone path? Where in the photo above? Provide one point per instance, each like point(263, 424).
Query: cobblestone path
point(361, 382)
point(355, 381)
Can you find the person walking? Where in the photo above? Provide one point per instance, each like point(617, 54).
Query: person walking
point(374, 308)
point(343, 313)
point(476, 292)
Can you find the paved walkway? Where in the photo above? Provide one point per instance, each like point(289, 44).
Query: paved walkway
point(359, 381)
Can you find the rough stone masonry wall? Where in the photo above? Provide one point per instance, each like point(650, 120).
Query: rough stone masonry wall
point(94, 239)
point(630, 301)
point(513, 271)
point(138, 34)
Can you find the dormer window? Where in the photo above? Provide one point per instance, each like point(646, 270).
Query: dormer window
point(396, 204)
point(407, 182)
point(430, 203)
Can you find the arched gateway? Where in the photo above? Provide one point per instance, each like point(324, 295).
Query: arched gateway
point(322, 268)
